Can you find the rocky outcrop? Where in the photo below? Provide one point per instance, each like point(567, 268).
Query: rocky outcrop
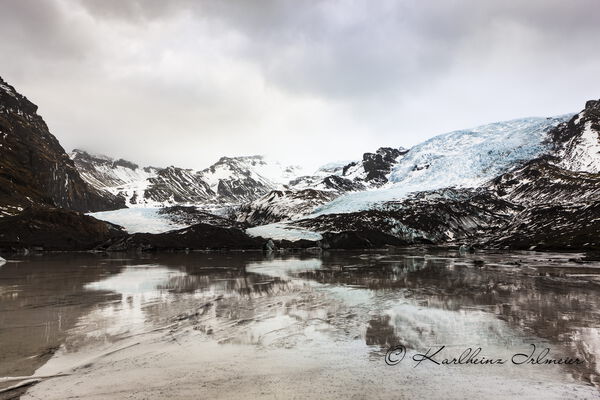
point(54, 229)
point(374, 167)
point(542, 182)
point(364, 239)
point(190, 215)
point(34, 168)
point(551, 227)
point(279, 205)
point(377, 165)
point(174, 185)
point(195, 237)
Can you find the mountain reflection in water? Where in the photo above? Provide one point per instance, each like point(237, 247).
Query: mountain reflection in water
point(418, 298)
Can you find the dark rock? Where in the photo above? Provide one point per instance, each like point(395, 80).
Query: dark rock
point(348, 166)
point(179, 185)
point(279, 205)
point(190, 215)
point(367, 239)
point(425, 217)
point(377, 165)
point(552, 227)
point(124, 163)
point(539, 181)
point(196, 237)
point(54, 229)
point(341, 184)
point(34, 168)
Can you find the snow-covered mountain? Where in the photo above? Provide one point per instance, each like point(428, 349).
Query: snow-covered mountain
point(497, 183)
point(231, 180)
point(530, 183)
point(306, 194)
point(239, 179)
point(526, 183)
point(119, 177)
point(466, 158)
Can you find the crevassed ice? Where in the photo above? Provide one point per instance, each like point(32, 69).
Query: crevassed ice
point(465, 158)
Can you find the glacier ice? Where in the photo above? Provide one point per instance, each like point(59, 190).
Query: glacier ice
point(464, 158)
point(138, 220)
point(281, 231)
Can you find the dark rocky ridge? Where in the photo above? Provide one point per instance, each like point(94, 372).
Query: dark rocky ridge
point(539, 181)
point(244, 187)
point(190, 215)
point(196, 237)
point(54, 229)
point(374, 167)
point(181, 185)
point(362, 239)
point(551, 227)
point(86, 161)
point(279, 205)
point(34, 168)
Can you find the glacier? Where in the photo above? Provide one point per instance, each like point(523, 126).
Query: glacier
point(138, 220)
point(463, 158)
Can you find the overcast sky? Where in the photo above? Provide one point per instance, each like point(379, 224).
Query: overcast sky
point(184, 82)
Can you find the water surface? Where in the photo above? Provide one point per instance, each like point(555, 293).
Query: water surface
point(277, 326)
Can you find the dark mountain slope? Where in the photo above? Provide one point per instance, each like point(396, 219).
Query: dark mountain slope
point(34, 168)
point(54, 229)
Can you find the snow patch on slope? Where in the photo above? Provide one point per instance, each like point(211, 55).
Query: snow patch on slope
point(270, 173)
point(583, 152)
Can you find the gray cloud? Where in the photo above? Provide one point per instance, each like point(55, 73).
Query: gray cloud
point(188, 81)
